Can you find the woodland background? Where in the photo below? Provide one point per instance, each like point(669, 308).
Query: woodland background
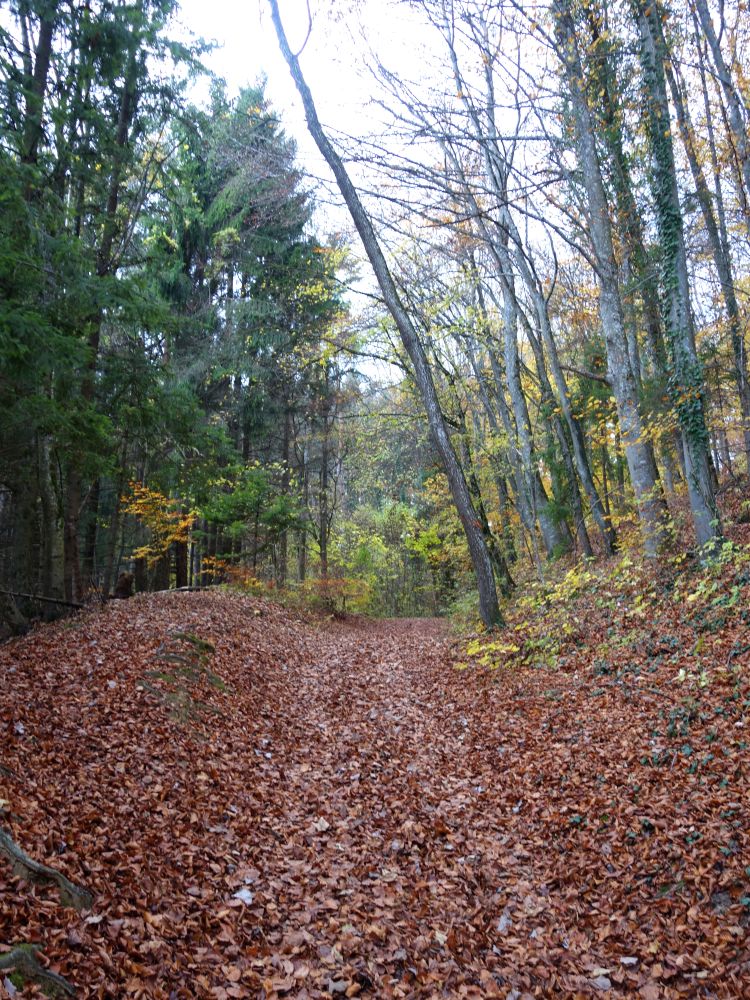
point(189, 380)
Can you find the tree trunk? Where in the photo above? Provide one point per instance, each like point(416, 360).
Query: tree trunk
point(104, 265)
point(652, 507)
point(49, 526)
point(502, 572)
point(488, 603)
point(323, 499)
point(282, 559)
point(553, 539)
point(181, 564)
point(88, 559)
point(551, 418)
point(140, 575)
point(524, 501)
point(719, 250)
point(735, 106)
point(687, 384)
point(35, 87)
point(12, 622)
point(160, 573)
point(502, 489)
point(578, 442)
point(71, 562)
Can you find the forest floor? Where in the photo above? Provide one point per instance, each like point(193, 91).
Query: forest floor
point(266, 804)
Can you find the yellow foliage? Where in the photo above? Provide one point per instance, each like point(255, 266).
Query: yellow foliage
point(163, 518)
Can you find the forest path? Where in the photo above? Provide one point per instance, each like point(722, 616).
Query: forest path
point(379, 807)
point(324, 808)
point(437, 833)
point(389, 814)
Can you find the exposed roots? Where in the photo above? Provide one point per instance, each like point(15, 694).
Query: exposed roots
point(22, 959)
point(31, 871)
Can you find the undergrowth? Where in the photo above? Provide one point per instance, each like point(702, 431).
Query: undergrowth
point(594, 615)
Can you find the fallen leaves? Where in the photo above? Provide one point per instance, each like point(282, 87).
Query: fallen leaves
point(366, 821)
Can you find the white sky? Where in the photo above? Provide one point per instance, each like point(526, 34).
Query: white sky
point(332, 60)
point(333, 63)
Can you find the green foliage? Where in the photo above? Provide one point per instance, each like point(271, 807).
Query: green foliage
point(381, 548)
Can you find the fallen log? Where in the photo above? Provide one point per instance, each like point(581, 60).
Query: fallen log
point(45, 600)
point(187, 590)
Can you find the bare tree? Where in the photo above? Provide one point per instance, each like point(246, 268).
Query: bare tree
point(639, 453)
point(488, 603)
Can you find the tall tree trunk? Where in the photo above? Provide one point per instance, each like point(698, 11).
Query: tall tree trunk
point(736, 107)
point(140, 575)
point(687, 384)
point(652, 507)
point(48, 516)
point(281, 569)
point(104, 265)
point(71, 560)
point(606, 531)
point(499, 474)
point(88, 560)
point(180, 564)
point(302, 534)
point(111, 548)
point(551, 534)
point(488, 602)
point(524, 500)
point(510, 248)
point(36, 85)
point(323, 499)
point(502, 572)
point(160, 572)
point(496, 170)
point(638, 276)
point(719, 249)
point(551, 419)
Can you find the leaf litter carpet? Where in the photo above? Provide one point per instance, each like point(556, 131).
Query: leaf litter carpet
point(330, 809)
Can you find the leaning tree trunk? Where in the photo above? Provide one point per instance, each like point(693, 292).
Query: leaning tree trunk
point(488, 603)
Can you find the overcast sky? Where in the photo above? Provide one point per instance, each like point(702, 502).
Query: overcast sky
point(332, 59)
